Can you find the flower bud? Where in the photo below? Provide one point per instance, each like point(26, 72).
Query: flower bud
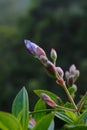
point(33, 49)
point(77, 73)
point(70, 80)
point(40, 51)
point(51, 69)
point(32, 122)
point(75, 87)
point(72, 75)
point(53, 54)
point(43, 60)
point(67, 74)
point(72, 69)
point(60, 71)
point(48, 100)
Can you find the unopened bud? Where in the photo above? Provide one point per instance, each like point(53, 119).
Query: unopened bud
point(31, 47)
point(60, 71)
point(43, 60)
point(48, 100)
point(60, 81)
point(67, 74)
point(70, 80)
point(77, 73)
point(40, 51)
point(53, 54)
point(51, 69)
point(72, 69)
point(75, 87)
point(34, 49)
point(32, 122)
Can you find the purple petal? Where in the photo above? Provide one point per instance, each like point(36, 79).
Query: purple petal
point(72, 69)
point(31, 47)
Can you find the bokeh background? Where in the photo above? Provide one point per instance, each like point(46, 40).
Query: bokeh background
point(59, 24)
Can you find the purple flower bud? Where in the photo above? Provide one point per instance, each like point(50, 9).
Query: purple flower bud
point(70, 80)
point(33, 49)
point(53, 54)
point(60, 71)
point(48, 100)
point(77, 73)
point(67, 74)
point(40, 51)
point(43, 60)
point(32, 122)
point(51, 69)
point(75, 87)
point(72, 69)
point(72, 75)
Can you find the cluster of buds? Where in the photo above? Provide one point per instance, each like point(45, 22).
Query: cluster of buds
point(55, 72)
point(71, 76)
point(51, 69)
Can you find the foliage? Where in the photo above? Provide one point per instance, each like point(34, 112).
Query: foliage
point(50, 23)
point(49, 105)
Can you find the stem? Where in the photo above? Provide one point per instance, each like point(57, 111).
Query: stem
point(81, 103)
point(70, 97)
point(61, 82)
point(40, 111)
point(64, 108)
point(54, 62)
point(48, 110)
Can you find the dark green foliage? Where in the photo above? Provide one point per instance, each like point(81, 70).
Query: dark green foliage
point(49, 23)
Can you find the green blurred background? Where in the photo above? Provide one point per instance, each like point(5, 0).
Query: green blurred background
point(59, 24)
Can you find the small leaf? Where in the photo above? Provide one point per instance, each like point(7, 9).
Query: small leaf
point(68, 105)
point(71, 90)
point(75, 127)
point(20, 107)
point(81, 117)
point(40, 105)
point(53, 96)
point(71, 115)
point(9, 122)
point(64, 117)
point(44, 122)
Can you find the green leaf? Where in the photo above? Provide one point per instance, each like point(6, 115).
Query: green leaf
point(44, 122)
point(40, 105)
point(9, 122)
point(68, 105)
point(71, 90)
point(81, 117)
point(71, 115)
point(64, 117)
point(51, 127)
point(75, 127)
point(85, 119)
point(53, 96)
point(20, 108)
